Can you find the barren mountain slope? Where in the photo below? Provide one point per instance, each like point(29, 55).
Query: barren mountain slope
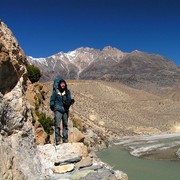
point(122, 109)
point(140, 70)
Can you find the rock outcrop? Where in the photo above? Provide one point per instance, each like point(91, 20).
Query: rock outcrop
point(12, 59)
point(18, 152)
point(72, 161)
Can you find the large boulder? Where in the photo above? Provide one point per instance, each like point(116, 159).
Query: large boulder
point(75, 135)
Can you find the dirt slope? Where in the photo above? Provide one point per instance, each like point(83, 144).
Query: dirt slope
point(122, 109)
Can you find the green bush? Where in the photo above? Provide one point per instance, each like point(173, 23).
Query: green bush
point(38, 101)
point(33, 73)
point(42, 94)
point(46, 122)
point(40, 87)
point(33, 119)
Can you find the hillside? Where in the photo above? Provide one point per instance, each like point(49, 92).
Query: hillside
point(123, 110)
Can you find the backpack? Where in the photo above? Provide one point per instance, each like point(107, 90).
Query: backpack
point(56, 83)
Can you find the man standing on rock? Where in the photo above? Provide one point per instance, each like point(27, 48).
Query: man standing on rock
point(59, 103)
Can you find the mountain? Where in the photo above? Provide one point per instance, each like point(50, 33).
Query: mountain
point(70, 65)
point(136, 69)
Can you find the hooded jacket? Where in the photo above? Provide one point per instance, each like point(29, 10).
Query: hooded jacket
point(60, 99)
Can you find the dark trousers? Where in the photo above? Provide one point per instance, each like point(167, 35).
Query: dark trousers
point(58, 116)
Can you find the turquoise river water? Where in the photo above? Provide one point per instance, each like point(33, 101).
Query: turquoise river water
point(138, 168)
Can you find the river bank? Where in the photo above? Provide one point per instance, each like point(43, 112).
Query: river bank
point(163, 146)
point(145, 157)
point(139, 168)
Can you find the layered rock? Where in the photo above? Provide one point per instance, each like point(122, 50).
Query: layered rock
point(18, 153)
point(12, 59)
point(72, 161)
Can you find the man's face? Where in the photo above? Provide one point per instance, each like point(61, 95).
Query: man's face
point(62, 85)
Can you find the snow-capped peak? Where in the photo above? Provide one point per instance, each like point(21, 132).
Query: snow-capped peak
point(71, 54)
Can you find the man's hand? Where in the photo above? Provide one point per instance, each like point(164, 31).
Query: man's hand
point(72, 101)
point(52, 107)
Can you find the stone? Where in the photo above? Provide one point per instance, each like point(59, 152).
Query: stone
point(57, 176)
point(78, 148)
point(68, 158)
point(63, 169)
point(102, 174)
point(86, 162)
point(121, 175)
point(92, 154)
point(93, 167)
point(41, 136)
point(75, 135)
point(80, 174)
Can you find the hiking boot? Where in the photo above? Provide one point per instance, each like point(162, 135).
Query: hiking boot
point(65, 141)
point(58, 143)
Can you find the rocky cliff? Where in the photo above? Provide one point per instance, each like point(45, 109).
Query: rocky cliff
point(18, 152)
point(12, 60)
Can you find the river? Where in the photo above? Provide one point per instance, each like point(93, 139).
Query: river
point(145, 157)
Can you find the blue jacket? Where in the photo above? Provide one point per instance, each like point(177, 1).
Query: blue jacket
point(60, 101)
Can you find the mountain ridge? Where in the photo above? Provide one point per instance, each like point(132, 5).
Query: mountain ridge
point(82, 57)
point(136, 69)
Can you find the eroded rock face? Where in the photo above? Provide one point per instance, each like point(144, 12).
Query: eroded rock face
point(12, 59)
point(18, 152)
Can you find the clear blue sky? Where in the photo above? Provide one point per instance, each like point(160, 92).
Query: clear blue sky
point(46, 27)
